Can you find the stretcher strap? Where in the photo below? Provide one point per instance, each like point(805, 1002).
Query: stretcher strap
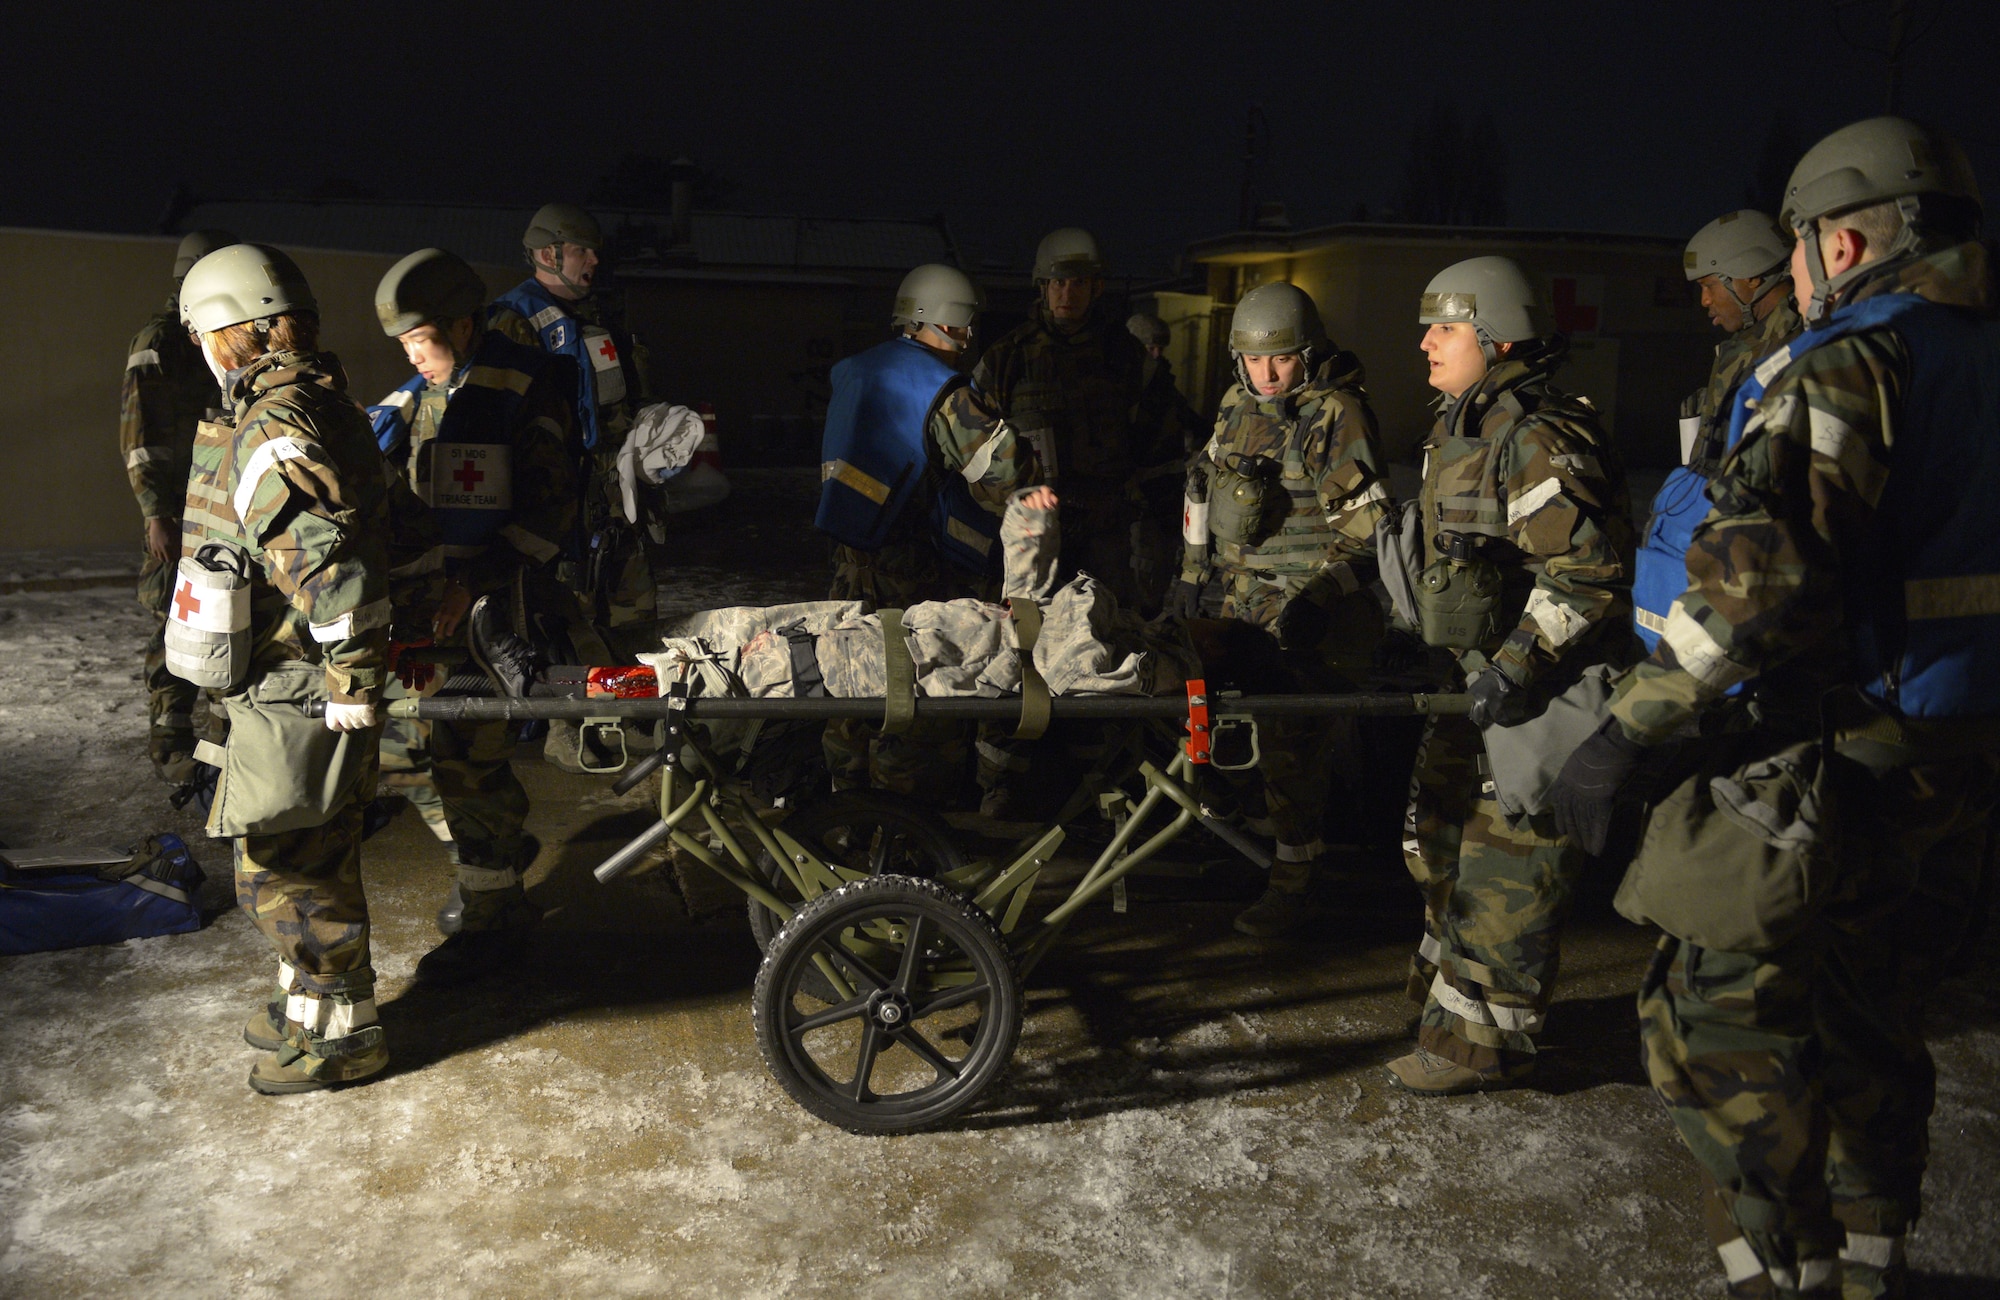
point(1027, 616)
point(899, 702)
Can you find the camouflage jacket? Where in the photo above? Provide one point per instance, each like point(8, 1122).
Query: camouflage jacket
point(1526, 472)
point(1794, 506)
point(1734, 356)
point(1074, 403)
point(542, 477)
point(294, 476)
point(167, 390)
point(1321, 442)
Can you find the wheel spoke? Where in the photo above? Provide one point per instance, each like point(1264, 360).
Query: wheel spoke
point(864, 1065)
point(855, 966)
point(911, 1038)
point(913, 952)
point(958, 997)
point(831, 1016)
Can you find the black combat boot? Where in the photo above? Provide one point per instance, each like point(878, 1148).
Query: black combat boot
point(508, 659)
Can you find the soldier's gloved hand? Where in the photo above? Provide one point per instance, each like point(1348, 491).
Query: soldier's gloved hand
point(1185, 599)
point(1586, 790)
point(349, 717)
point(1303, 623)
point(1496, 700)
point(1400, 651)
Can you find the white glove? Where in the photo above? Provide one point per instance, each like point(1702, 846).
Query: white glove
point(349, 717)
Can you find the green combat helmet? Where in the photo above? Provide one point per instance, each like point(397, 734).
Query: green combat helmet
point(1880, 160)
point(428, 285)
point(936, 294)
point(1736, 246)
point(197, 244)
point(1273, 320)
point(1068, 254)
point(243, 282)
point(1492, 294)
point(562, 223)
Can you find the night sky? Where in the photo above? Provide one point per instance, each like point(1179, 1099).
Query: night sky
point(1617, 115)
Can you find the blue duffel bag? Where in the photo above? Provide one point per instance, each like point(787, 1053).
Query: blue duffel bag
point(151, 893)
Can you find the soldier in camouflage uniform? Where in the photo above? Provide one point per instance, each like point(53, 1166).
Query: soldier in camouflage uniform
point(1527, 545)
point(1067, 388)
point(1282, 505)
point(879, 489)
point(480, 436)
point(166, 392)
point(1740, 261)
point(1847, 585)
point(291, 479)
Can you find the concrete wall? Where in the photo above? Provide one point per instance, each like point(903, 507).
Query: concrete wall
point(69, 305)
point(1638, 344)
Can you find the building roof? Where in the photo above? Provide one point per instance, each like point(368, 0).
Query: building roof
point(1262, 245)
point(492, 233)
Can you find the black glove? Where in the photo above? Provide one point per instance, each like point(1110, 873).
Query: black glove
point(1587, 788)
point(1302, 624)
point(1496, 701)
point(1184, 601)
point(1400, 652)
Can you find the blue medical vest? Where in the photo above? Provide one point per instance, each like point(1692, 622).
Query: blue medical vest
point(561, 334)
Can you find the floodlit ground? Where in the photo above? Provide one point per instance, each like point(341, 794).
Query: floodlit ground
point(1188, 1114)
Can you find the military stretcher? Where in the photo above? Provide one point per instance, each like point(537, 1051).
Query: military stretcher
point(889, 997)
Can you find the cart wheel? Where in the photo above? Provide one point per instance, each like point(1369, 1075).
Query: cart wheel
point(863, 830)
point(934, 1014)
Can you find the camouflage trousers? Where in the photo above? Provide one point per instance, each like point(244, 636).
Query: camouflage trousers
point(171, 704)
point(931, 760)
point(1798, 1077)
point(302, 889)
point(459, 775)
point(1494, 900)
point(627, 595)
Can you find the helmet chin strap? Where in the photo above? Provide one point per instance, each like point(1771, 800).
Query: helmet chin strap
point(1908, 241)
point(580, 290)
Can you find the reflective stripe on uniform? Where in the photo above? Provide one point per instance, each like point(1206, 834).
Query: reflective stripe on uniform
point(1298, 852)
point(1699, 653)
point(1481, 1012)
point(1533, 499)
point(267, 455)
point(286, 976)
point(1872, 1250)
point(999, 757)
point(146, 455)
point(1813, 1274)
point(538, 549)
point(325, 1018)
point(480, 880)
point(1431, 950)
point(546, 317)
point(498, 377)
point(1647, 619)
point(960, 531)
point(1972, 596)
point(374, 614)
point(1558, 622)
point(143, 357)
point(402, 399)
point(854, 478)
point(1739, 1261)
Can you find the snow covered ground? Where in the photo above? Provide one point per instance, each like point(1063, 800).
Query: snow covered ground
point(1189, 1115)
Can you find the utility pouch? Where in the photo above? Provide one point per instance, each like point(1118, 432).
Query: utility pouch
point(1739, 860)
point(1240, 499)
point(281, 770)
point(208, 617)
point(1458, 597)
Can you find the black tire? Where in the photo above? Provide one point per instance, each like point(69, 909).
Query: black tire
point(955, 988)
point(864, 830)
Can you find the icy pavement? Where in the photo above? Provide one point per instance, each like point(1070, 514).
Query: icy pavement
point(1188, 1115)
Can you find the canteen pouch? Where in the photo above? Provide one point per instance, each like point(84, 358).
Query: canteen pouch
point(1240, 499)
point(1458, 597)
point(1739, 861)
point(207, 634)
point(281, 770)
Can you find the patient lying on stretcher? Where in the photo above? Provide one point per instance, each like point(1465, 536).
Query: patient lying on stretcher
point(1087, 643)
